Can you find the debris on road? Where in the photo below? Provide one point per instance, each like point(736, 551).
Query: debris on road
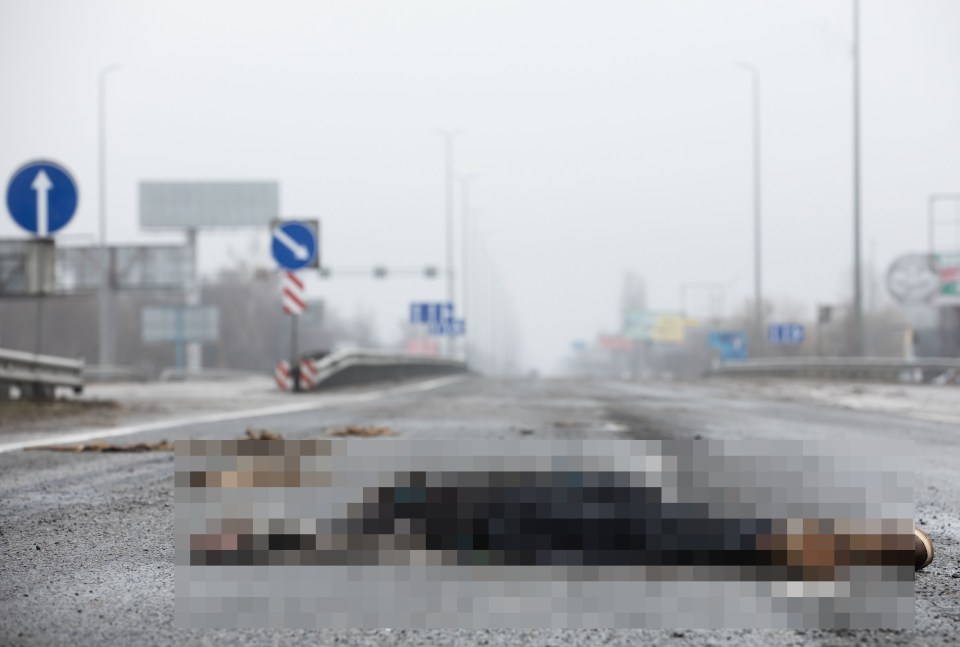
point(364, 432)
point(922, 549)
point(568, 424)
point(260, 434)
point(162, 446)
point(16, 414)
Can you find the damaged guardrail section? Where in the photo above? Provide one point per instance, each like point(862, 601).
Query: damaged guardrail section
point(37, 376)
point(543, 533)
point(891, 369)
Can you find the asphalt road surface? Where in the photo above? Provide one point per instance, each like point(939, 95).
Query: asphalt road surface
point(86, 540)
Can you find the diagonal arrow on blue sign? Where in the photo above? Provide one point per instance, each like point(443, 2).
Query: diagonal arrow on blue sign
point(294, 245)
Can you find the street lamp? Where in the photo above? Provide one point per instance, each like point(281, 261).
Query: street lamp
point(857, 280)
point(448, 137)
point(105, 327)
point(757, 267)
point(465, 181)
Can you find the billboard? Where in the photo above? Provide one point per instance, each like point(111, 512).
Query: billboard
point(731, 345)
point(615, 343)
point(948, 279)
point(187, 205)
point(662, 327)
point(179, 323)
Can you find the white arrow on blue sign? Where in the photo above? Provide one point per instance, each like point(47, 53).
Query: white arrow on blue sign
point(430, 313)
point(789, 333)
point(42, 197)
point(294, 245)
point(452, 327)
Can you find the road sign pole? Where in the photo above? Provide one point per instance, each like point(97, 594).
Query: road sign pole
point(179, 342)
point(105, 302)
point(294, 361)
point(194, 348)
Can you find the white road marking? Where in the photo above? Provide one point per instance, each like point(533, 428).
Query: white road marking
point(934, 417)
point(322, 403)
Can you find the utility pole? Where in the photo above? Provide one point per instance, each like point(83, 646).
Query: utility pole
point(465, 181)
point(105, 328)
point(757, 200)
point(448, 137)
point(857, 278)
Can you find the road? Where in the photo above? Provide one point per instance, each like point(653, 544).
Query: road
point(86, 540)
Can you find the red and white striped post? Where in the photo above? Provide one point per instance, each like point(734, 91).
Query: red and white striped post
point(281, 373)
point(308, 374)
point(294, 304)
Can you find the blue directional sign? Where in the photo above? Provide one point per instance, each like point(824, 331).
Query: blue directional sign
point(294, 245)
point(731, 345)
point(431, 313)
point(786, 333)
point(451, 327)
point(42, 197)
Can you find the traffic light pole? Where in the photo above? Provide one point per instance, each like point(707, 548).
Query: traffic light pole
point(294, 353)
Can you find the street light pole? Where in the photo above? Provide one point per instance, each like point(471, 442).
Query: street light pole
point(448, 137)
point(857, 279)
point(465, 257)
point(757, 203)
point(105, 314)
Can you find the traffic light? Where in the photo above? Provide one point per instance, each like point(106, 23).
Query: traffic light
point(430, 272)
point(380, 272)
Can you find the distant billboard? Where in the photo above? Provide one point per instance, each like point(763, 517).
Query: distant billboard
point(731, 345)
point(948, 277)
point(179, 323)
point(615, 343)
point(662, 327)
point(208, 204)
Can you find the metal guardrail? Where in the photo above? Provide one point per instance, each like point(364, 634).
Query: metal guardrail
point(865, 368)
point(36, 376)
point(353, 367)
point(114, 373)
point(173, 374)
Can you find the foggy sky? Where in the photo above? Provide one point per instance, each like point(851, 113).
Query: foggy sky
point(605, 136)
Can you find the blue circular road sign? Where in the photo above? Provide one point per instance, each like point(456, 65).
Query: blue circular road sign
point(42, 197)
point(294, 245)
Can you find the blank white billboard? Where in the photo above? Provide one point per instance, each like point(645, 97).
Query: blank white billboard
point(182, 323)
point(208, 204)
